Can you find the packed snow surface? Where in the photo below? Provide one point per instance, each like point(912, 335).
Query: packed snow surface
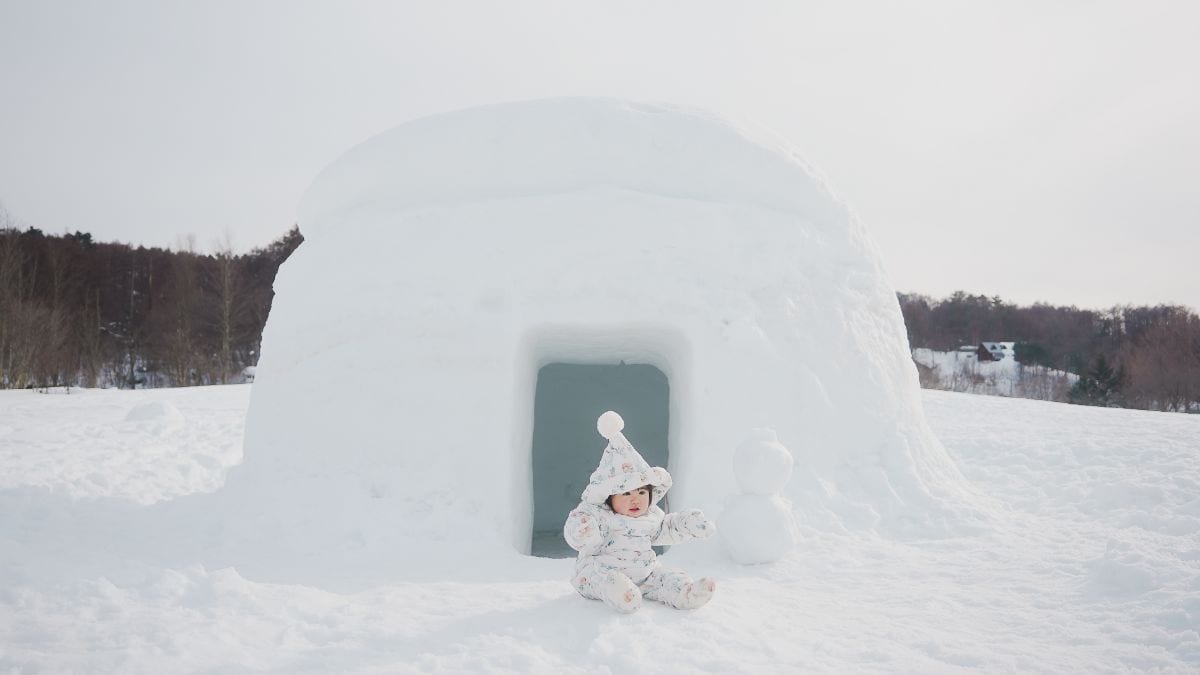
point(1094, 566)
point(143, 446)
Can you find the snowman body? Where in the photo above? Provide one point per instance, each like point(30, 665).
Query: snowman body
point(757, 525)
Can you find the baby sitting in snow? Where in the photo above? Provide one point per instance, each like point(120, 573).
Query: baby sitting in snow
point(618, 521)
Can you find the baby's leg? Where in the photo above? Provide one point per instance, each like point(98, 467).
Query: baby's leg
point(677, 589)
point(620, 593)
point(614, 588)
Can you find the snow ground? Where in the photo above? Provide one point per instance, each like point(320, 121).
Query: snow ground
point(1096, 566)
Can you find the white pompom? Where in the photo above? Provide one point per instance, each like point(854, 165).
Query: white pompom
point(610, 424)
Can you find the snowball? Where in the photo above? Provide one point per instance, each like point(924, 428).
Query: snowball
point(757, 529)
point(610, 424)
point(761, 464)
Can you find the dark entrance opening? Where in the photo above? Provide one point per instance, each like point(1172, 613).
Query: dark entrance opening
point(566, 445)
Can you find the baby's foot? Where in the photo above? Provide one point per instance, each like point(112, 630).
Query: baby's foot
point(620, 593)
point(697, 593)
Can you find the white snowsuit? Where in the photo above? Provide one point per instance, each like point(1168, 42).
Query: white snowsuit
point(616, 563)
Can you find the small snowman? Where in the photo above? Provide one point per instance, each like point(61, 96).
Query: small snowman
point(758, 526)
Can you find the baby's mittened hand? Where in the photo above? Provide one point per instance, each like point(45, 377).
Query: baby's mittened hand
point(697, 525)
point(588, 530)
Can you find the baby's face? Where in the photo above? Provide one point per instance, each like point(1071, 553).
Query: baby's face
point(633, 503)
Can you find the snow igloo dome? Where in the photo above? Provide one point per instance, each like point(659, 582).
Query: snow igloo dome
point(476, 287)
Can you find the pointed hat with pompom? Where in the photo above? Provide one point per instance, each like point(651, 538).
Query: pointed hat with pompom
point(621, 467)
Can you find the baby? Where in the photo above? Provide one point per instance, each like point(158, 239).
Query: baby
point(618, 521)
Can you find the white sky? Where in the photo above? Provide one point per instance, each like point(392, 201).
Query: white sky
point(1043, 150)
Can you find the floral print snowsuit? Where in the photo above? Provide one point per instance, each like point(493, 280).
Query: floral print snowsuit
point(616, 563)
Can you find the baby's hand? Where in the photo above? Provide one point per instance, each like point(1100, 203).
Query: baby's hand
point(696, 524)
point(588, 524)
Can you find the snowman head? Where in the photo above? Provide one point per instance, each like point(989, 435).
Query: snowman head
point(761, 464)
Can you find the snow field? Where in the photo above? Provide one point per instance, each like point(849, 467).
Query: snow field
point(1094, 566)
point(145, 446)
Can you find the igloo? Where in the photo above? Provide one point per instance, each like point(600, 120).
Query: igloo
point(475, 281)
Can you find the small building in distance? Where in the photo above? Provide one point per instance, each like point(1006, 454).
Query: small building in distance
point(994, 351)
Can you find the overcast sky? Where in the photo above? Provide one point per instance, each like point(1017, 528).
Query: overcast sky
point(1041, 150)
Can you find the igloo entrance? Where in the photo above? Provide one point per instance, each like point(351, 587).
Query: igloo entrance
point(566, 448)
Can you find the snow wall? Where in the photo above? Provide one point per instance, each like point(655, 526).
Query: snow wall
point(447, 260)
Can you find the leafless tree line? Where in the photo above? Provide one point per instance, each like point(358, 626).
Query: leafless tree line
point(1162, 366)
point(74, 312)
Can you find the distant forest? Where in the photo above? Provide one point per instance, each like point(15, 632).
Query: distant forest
point(76, 312)
point(1137, 357)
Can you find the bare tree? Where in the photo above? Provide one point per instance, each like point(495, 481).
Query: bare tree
point(173, 322)
point(103, 314)
point(1163, 365)
point(89, 341)
point(16, 343)
point(1042, 383)
point(229, 307)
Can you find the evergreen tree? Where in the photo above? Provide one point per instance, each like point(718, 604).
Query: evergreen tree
point(1100, 386)
point(1031, 354)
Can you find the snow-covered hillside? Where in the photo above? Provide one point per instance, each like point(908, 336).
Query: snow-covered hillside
point(962, 371)
point(1094, 564)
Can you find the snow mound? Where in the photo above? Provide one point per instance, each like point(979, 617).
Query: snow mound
point(155, 411)
point(490, 242)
